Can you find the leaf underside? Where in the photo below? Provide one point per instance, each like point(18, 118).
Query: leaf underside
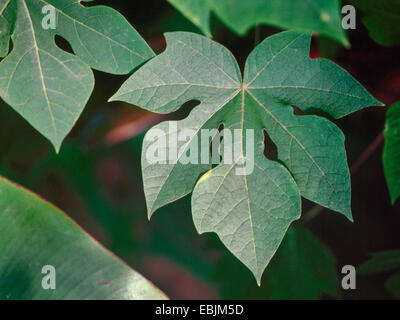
point(391, 151)
point(48, 86)
point(34, 234)
point(250, 213)
point(322, 16)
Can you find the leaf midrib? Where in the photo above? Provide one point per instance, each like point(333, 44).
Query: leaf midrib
point(298, 142)
point(245, 179)
point(44, 88)
point(310, 88)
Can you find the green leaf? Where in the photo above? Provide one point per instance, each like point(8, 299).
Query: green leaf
point(7, 19)
point(393, 285)
point(302, 268)
point(380, 262)
point(391, 151)
point(198, 12)
point(381, 17)
point(250, 212)
point(33, 234)
point(322, 16)
point(50, 87)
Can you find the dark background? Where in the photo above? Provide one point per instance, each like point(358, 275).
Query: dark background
point(96, 178)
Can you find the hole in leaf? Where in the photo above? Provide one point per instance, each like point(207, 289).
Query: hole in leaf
point(216, 142)
point(312, 111)
point(63, 44)
point(297, 111)
point(270, 149)
point(184, 110)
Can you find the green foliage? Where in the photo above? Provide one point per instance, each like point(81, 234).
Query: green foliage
point(250, 213)
point(384, 261)
point(391, 151)
point(34, 234)
point(302, 268)
point(393, 285)
point(322, 16)
point(381, 17)
point(380, 262)
point(48, 86)
point(7, 20)
point(198, 12)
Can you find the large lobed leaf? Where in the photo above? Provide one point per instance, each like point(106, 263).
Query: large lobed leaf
point(391, 151)
point(34, 234)
point(252, 212)
point(322, 16)
point(48, 86)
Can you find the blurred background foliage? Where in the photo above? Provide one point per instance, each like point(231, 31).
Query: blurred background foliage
point(96, 178)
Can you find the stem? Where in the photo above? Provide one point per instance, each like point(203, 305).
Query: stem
point(367, 153)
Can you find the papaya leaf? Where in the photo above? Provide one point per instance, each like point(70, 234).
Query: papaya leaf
point(391, 151)
point(322, 16)
point(35, 234)
point(250, 210)
point(48, 86)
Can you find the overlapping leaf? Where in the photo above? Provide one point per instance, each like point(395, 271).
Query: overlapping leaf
point(34, 234)
point(48, 86)
point(321, 16)
point(250, 212)
point(391, 151)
